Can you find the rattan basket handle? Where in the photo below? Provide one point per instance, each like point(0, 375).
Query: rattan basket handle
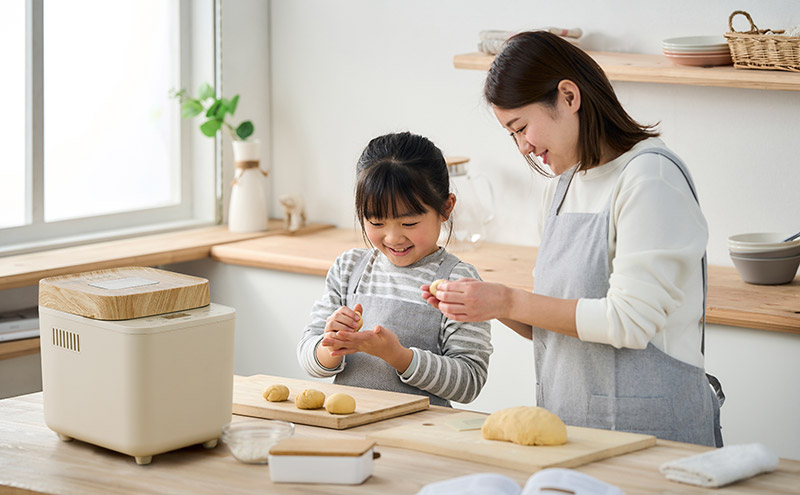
point(753, 28)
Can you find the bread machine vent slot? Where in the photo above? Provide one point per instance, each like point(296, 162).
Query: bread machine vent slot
point(66, 339)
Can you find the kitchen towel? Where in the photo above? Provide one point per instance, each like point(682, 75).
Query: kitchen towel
point(721, 466)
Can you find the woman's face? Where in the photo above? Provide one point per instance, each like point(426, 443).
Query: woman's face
point(550, 133)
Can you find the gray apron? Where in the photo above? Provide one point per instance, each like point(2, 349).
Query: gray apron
point(596, 385)
point(416, 325)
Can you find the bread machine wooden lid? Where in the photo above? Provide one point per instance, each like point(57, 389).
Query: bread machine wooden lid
point(123, 293)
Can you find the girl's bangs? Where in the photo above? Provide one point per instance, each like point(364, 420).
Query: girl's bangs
point(389, 197)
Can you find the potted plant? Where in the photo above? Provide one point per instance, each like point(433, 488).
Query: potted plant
point(248, 207)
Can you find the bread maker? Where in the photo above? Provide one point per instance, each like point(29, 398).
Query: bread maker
point(136, 360)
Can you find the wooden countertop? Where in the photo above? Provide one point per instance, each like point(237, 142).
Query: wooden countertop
point(34, 460)
point(730, 301)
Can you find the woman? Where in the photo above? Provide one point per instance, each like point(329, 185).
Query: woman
point(617, 310)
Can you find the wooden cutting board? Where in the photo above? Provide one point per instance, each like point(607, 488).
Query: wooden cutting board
point(371, 405)
point(584, 445)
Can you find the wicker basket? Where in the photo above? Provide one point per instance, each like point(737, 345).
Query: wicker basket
point(755, 49)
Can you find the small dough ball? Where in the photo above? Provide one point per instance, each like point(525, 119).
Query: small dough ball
point(309, 399)
point(525, 425)
point(434, 285)
point(340, 404)
point(360, 322)
point(276, 393)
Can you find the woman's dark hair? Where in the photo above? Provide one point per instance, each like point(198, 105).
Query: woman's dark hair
point(528, 69)
point(398, 174)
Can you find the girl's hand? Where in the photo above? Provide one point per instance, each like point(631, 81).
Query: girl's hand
point(379, 342)
point(344, 319)
point(468, 299)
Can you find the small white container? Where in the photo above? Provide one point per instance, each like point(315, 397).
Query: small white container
point(321, 460)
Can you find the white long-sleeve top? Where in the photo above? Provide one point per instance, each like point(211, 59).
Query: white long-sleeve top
point(656, 239)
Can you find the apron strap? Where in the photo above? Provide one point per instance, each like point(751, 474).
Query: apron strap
point(561, 190)
point(715, 383)
point(358, 270)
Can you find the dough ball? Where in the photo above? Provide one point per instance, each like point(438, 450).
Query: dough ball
point(340, 404)
point(525, 425)
point(276, 393)
point(360, 322)
point(309, 399)
point(434, 285)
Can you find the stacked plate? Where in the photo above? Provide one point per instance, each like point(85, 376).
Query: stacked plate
point(763, 258)
point(701, 51)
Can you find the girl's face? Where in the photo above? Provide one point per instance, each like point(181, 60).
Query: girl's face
point(550, 133)
point(407, 238)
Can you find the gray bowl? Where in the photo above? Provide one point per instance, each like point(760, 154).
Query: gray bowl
point(766, 271)
point(786, 252)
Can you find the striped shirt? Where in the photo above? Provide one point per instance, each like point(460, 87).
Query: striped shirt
point(457, 373)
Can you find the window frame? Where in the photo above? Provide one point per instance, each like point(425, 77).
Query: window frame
point(200, 160)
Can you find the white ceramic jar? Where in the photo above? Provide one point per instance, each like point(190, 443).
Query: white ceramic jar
point(248, 209)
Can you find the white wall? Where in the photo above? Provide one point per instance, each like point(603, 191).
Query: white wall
point(346, 71)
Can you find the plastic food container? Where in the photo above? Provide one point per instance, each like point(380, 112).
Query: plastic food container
point(135, 360)
point(322, 460)
point(250, 440)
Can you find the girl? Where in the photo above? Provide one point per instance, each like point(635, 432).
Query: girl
point(402, 198)
point(618, 300)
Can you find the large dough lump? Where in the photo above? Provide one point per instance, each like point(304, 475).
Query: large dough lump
point(309, 399)
point(525, 425)
point(340, 403)
point(276, 393)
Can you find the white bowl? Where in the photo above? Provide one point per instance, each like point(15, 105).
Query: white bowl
point(760, 242)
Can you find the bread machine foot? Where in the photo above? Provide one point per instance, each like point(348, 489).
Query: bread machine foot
point(210, 444)
point(143, 460)
point(64, 438)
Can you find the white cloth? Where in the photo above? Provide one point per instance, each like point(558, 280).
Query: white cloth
point(722, 466)
point(656, 238)
point(551, 481)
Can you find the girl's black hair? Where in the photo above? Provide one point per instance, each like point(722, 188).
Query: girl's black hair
point(401, 173)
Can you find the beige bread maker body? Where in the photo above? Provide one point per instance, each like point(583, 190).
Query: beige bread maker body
point(118, 376)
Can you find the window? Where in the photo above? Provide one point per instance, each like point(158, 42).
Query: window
point(97, 147)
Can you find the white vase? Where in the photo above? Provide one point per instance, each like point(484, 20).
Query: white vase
point(247, 211)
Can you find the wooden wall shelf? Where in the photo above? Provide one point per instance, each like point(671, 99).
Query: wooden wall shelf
point(635, 67)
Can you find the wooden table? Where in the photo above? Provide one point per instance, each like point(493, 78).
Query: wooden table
point(34, 460)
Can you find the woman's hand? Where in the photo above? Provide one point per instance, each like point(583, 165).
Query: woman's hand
point(379, 342)
point(468, 299)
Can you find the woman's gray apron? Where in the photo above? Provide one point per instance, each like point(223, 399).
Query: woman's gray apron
point(416, 325)
point(597, 385)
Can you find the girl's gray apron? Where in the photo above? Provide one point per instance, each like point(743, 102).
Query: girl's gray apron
point(416, 325)
point(597, 385)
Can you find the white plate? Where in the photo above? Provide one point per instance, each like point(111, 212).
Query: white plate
point(695, 43)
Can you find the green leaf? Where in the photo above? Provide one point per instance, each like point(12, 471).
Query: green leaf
point(232, 104)
point(191, 108)
point(211, 127)
point(244, 130)
point(205, 92)
point(212, 110)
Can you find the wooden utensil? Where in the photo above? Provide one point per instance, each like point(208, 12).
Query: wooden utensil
point(584, 445)
point(371, 405)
